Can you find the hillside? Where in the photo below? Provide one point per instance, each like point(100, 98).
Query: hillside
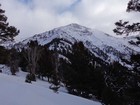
point(14, 91)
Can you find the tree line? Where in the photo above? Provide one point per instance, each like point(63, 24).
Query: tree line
point(80, 72)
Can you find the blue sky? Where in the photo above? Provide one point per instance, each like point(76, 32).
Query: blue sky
point(37, 16)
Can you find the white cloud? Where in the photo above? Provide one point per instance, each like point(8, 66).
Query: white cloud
point(101, 14)
point(42, 15)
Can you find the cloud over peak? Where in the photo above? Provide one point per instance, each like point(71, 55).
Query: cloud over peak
point(36, 16)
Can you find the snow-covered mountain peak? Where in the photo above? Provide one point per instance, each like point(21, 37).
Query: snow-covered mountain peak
point(79, 30)
point(106, 47)
point(74, 25)
point(72, 30)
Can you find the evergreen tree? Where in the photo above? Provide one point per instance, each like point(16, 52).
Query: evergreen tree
point(6, 32)
point(131, 92)
point(133, 5)
point(4, 54)
point(82, 74)
point(125, 27)
point(117, 83)
point(23, 63)
point(55, 73)
point(136, 62)
point(45, 64)
point(122, 86)
point(13, 61)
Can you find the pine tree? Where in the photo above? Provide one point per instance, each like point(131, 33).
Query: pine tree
point(45, 64)
point(55, 73)
point(133, 5)
point(136, 63)
point(22, 60)
point(4, 54)
point(13, 61)
point(6, 32)
point(81, 74)
point(125, 27)
point(131, 92)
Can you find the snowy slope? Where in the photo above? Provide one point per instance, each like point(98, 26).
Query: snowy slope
point(102, 45)
point(14, 91)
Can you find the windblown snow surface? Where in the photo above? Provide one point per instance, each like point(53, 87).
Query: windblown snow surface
point(14, 91)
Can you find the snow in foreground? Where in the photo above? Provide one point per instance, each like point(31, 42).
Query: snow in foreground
point(14, 91)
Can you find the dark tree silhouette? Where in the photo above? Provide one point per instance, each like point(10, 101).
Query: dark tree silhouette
point(125, 27)
point(82, 74)
point(32, 55)
point(6, 32)
point(133, 5)
point(13, 61)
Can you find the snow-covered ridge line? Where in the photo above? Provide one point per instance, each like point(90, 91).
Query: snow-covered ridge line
point(107, 47)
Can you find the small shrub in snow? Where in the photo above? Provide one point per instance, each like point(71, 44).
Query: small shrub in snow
point(30, 77)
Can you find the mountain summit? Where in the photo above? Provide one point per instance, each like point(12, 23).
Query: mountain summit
point(102, 45)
